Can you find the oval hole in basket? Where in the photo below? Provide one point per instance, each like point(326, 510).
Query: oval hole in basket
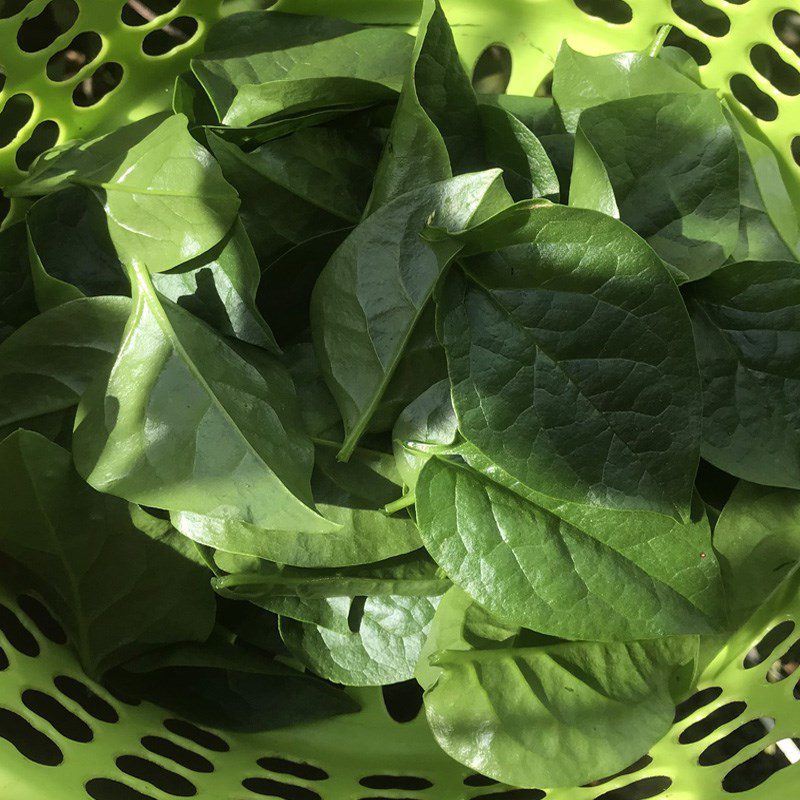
point(694, 47)
point(9, 8)
point(32, 743)
point(19, 637)
point(796, 150)
point(162, 778)
point(14, 116)
point(759, 103)
point(639, 790)
point(492, 71)
point(512, 794)
point(140, 12)
point(105, 789)
point(479, 780)
point(617, 12)
point(5, 207)
point(273, 788)
point(61, 718)
point(727, 747)
point(756, 770)
point(695, 702)
point(175, 33)
point(716, 719)
point(39, 32)
point(405, 783)
point(403, 701)
point(37, 611)
point(79, 53)
point(100, 83)
point(545, 87)
point(708, 19)
point(786, 25)
point(784, 77)
point(180, 755)
point(771, 639)
point(786, 665)
point(88, 700)
point(204, 738)
point(297, 769)
point(637, 766)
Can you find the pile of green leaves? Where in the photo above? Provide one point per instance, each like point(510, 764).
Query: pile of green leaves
point(341, 375)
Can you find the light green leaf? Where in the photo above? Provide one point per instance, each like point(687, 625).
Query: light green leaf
point(590, 186)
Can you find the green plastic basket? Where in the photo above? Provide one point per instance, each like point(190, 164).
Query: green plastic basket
point(63, 737)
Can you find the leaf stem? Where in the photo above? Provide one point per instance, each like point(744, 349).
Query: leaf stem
point(658, 42)
point(403, 502)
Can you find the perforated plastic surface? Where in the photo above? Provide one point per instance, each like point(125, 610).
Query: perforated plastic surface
point(64, 738)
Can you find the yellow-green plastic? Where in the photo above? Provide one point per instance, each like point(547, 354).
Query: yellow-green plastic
point(359, 751)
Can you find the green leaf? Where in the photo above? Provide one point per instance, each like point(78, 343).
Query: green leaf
point(673, 165)
point(581, 82)
point(376, 287)
point(329, 186)
point(220, 287)
point(271, 65)
point(590, 186)
point(512, 147)
point(47, 364)
point(758, 540)
point(232, 447)
point(17, 301)
point(230, 688)
point(558, 568)
point(533, 713)
point(71, 253)
point(436, 129)
point(747, 335)
point(571, 362)
point(73, 539)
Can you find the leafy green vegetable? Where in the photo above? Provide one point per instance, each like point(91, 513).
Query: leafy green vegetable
point(17, 302)
point(549, 713)
point(72, 539)
point(747, 335)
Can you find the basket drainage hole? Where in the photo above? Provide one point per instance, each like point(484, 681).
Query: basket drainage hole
point(512, 794)
point(160, 777)
point(716, 719)
point(272, 788)
point(783, 667)
point(784, 77)
point(32, 743)
point(617, 12)
point(297, 769)
point(796, 150)
point(759, 103)
point(88, 700)
point(712, 21)
point(11, 7)
point(695, 702)
point(102, 81)
point(694, 47)
point(47, 624)
point(786, 25)
point(180, 755)
point(203, 738)
point(762, 651)
point(492, 71)
point(763, 765)
point(639, 790)
point(403, 701)
point(19, 637)
point(14, 116)
point(172, 35)
point(637, 766)
point(105, 789)
point(406, 783)
point(80, 52)
point(39, 32)
point(735, 741)
point(63, 720)
point(140, 12)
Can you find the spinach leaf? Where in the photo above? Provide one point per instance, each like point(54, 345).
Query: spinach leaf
point(558, 568)
point(72, 539)
point(231, 448)
point(747, 335)
point(549, 713)
point(47, 364)
point(376, 287)
point(570, 358)
point(673, 165)
point(17, 301)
